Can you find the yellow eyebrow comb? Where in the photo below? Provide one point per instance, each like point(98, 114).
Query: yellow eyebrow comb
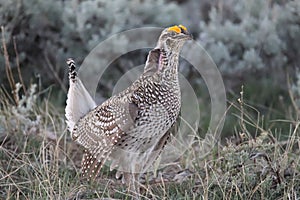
point(183, 27)
point(175, 29)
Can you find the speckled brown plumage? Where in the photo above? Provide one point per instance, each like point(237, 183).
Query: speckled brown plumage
point(131, 128)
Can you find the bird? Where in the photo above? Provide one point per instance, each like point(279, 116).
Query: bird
point(131, 128)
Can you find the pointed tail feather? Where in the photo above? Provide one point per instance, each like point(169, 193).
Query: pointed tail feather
point(79, 101)
point(91, 166)
point(72, 71)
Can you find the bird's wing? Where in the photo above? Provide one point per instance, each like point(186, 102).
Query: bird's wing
point(100, 130)
point(79, 101)
point(152, 63)
point(160, 145)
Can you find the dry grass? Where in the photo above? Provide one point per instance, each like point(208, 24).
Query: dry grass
point(35, 166)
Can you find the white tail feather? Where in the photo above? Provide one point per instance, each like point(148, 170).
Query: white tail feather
point(79, 101)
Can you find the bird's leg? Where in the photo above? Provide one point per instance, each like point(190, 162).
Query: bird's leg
point(131, 179)
point(132, 183)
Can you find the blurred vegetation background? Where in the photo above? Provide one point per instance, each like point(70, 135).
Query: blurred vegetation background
point(254, 43)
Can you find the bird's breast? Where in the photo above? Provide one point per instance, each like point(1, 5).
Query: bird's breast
point(158, 108)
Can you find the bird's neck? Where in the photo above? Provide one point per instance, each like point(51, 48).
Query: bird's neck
point(170, 60)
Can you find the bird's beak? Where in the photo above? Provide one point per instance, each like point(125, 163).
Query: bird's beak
point(186, 36)
point(190, 36)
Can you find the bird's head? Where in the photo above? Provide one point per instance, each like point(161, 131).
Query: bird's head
point(173, 38)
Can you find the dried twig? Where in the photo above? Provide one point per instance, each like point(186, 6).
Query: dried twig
point(18, 66)
point(62, 85)
point(8, 70)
